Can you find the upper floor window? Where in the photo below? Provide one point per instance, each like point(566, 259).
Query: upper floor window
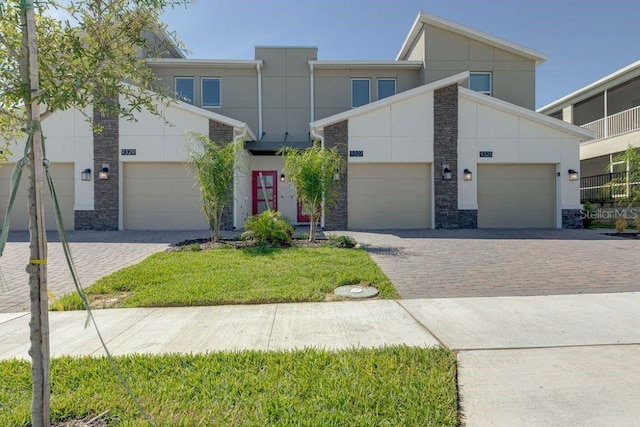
point(185, 89)
point(386, 87)
point(211, 94)
point(480, 82)
point(360, 92)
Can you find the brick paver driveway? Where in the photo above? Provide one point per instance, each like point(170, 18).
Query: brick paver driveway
point(488, 262)
point(96, 254)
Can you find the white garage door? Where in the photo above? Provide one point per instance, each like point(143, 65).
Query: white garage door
point(516, 195)
point(161, 196)
point(62, 175)
point(389, 195)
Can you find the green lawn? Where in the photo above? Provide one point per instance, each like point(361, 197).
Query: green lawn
point(391, 386)
point(235, 276)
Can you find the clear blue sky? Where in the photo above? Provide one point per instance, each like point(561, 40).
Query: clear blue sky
point(584, 40)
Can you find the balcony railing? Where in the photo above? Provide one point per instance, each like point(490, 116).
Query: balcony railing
point(609, 187)
point(616, 124)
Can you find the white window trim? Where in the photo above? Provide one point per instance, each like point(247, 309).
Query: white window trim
point(175, 87)
point(358, 79)
point(395, 85)
point(490, 92)
point(202, 79)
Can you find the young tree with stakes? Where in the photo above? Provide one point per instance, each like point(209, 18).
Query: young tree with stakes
point(46, 66)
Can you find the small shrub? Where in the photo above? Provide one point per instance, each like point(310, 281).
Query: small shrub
point(621, 225)
point(194, 247)
point(341, 241)
point(587, 214)
point(303, 236)
point(268, 229)
point(636, 223)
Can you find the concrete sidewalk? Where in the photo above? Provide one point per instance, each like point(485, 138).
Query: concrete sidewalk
point(546, 360)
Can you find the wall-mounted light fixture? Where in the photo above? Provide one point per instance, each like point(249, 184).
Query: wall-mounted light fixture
point(446, 173)
point(85, 175)
point(336, 175)
point(468, 176)
point(282, 177)
point(573, 175)
point(104, 172)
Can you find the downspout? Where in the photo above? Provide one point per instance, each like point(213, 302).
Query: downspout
point(313, 107)
point(259, 69)
point(319, 136)
point(236, 139)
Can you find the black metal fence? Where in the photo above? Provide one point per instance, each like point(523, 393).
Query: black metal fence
point(608, 187)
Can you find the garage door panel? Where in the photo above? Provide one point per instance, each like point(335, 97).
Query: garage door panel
point(161, 196)
point(502, 171)
point(62, 175)
point(160, 188)
point(517, 187)
point(389, 195)
point(516, 195)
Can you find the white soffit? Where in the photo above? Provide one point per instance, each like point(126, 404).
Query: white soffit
point(525, 113)
point(435, 21)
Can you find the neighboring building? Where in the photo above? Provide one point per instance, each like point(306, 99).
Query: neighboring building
point(444, 136)
point(610, 107)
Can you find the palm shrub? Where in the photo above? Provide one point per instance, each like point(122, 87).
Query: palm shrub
point(268, 228)
point(215, 165)
point(311, 172)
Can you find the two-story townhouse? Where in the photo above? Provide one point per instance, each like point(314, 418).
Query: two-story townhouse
point(610, 107)
point(443, 136)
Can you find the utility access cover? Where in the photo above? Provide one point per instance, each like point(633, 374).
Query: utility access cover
point(356, 292)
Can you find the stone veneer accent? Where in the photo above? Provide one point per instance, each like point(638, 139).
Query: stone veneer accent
point(572, 218)
point(83, 220)
point(105, 192)
point(221, 134)
point(336, 216)
point(468, 218)
point(445, 152)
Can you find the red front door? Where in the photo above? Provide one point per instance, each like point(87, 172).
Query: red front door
point(264, 189)
point(303, 215)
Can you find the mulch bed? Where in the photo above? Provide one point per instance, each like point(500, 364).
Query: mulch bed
point(625, 235)
point(206, 243)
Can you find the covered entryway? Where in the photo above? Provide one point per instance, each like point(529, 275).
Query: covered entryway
point(62, 175)
point(517, 195)
point(161, 196)
point(389, 195)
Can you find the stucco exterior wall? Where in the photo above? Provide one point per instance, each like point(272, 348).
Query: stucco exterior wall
point(238, 86)
point(156, 141)
point(401, 132)
point(447, 53)
point(69, 139)
point(513, 139)
point(287, 202)
point(286, 92)
point(332, 87)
